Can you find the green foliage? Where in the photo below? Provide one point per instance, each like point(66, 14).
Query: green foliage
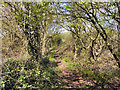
point(28, 74)
point(51, 53)
point(71, 66)
point(52, 59)
point(99, 77)
point(91, 45)
point(66, 59)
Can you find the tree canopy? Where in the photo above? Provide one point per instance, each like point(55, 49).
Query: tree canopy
point(37, 36)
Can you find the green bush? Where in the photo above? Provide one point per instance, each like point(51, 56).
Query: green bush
point(28, 74)
point(101, 78)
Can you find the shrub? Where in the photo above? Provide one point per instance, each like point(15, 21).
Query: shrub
point(28, 74)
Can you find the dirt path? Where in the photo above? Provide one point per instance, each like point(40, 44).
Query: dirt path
point(72, 79)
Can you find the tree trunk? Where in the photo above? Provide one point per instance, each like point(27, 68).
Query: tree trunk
point(44, 44)
point(75, 51)
point(119, 34)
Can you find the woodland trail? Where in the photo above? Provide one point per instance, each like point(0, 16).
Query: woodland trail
point(72, 79)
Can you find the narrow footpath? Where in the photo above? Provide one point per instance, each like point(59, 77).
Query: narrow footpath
point(71, 78)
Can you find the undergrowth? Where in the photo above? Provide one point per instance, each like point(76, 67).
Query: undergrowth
point(28, 74)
